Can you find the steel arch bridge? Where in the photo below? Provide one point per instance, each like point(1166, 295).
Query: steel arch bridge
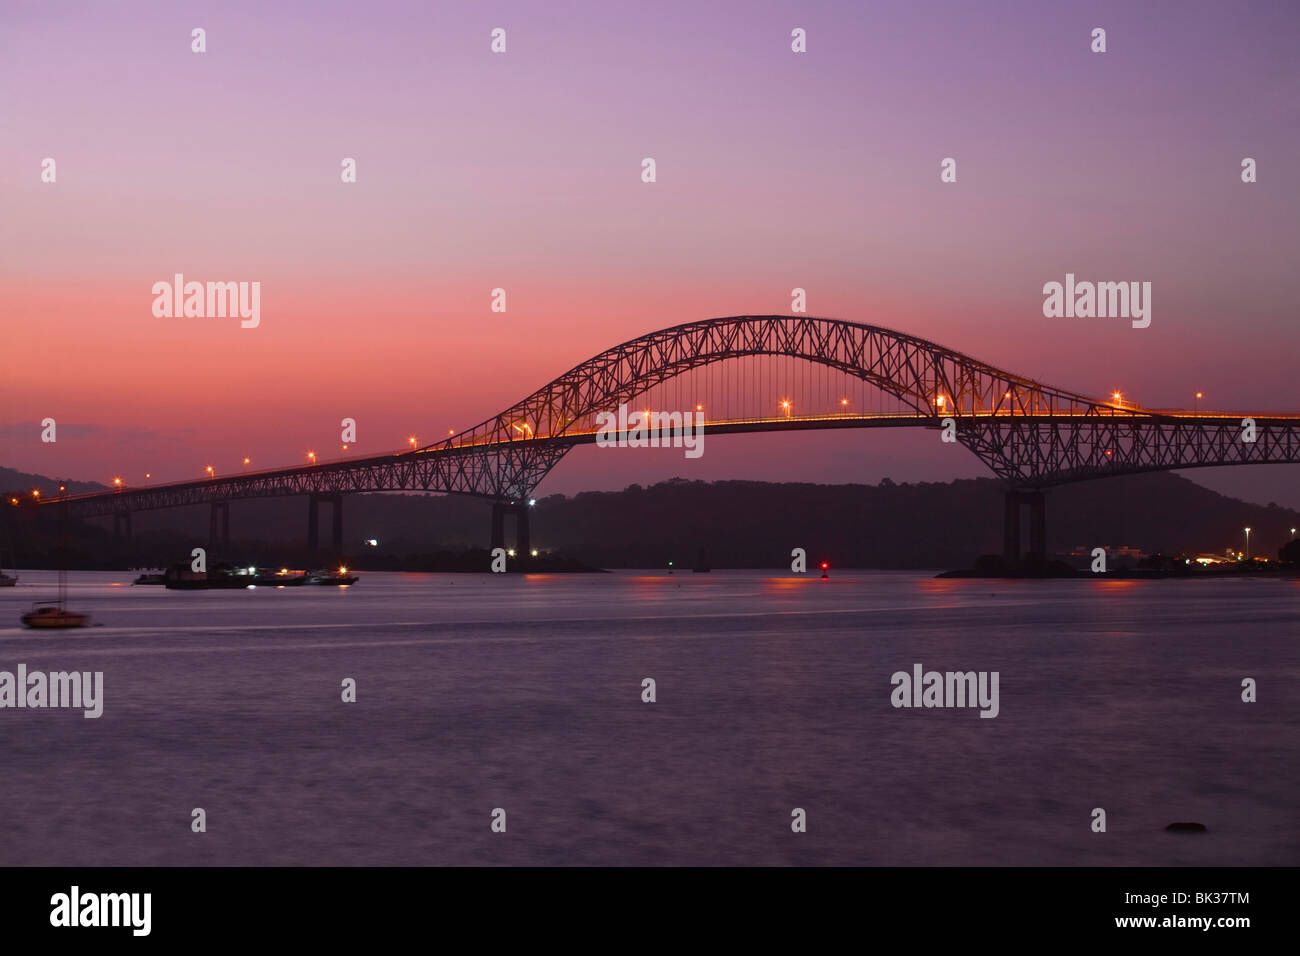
point(1030, 434)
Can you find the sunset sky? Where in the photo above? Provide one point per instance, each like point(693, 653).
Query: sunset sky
point(522, 170)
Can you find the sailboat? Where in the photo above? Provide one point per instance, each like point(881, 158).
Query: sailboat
point(49, 614)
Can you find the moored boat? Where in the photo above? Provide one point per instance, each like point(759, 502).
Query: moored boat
point(52, 614)
point(284, 578)
point(182, 577)
point(331, 576)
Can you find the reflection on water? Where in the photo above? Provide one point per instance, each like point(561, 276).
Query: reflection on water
point(524, 692)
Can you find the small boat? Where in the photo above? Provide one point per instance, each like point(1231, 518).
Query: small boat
point(52, 614)
point(151, 579)
point(280, 579)
point(49, 614)
point(181, 577)
point(327, 576)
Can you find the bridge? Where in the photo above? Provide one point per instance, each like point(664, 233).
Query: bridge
point(756, 374)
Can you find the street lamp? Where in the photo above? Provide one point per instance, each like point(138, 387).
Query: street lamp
point(785, 404)
point(312, 455)
point(210, 472)
point(1247, 544)
point(1197, 406)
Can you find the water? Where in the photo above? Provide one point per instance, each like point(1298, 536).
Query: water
point(484, 691)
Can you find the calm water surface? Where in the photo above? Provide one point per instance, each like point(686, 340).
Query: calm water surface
point(485, 691)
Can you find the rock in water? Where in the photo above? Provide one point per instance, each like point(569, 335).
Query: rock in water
point(1186, 828)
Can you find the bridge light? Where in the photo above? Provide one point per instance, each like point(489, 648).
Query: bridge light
point(699, 408)
point(451, 431)
point(533, 552)
point(36, 493)
point(13, 501)
point(939, 401)
point(844, 401)
point(345, 447)
point(312, 456)
point(62, 488)
point(411, 440)
point(246, 460)
point(511, 552)
point(1117, 396)
point(1007, 395)
point(785, 404)
point(118, 482)
point(210, 471)
point(147, 475)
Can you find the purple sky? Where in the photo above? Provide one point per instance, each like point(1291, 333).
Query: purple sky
point(521, 171)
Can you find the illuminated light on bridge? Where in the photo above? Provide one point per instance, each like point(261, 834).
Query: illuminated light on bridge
point(13, 501)
point(785, 403)
point(36, 493)
point(246, 460)
point(118, 482)
point(210, 472)
point(411, 440)
point(312, 456)
point(939, 401)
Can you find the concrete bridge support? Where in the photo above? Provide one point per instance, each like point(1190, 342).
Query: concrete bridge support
point(523, 542)
point(313, 522)
point(1036, 502)
point(219, 527)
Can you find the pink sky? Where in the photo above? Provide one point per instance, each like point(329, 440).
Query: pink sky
point(521, 171)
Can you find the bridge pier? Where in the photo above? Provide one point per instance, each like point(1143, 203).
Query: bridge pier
point(1036, 502)
point(221, 544)
point(523, 540)
point(122, 524)
point(313, 522)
